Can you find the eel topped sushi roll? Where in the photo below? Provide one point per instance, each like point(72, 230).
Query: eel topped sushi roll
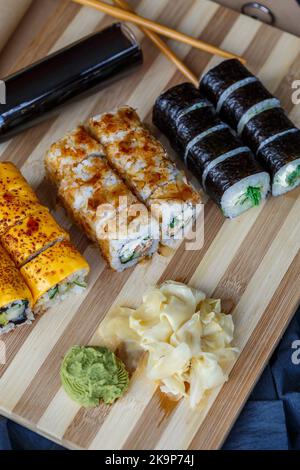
point(101, 203)
point(72, 149)
point(15, 300)
point(114, 126)
point(54, 274)
point(32, 235)
point(141, 160)
point(257, 116)
point(224, 166)
point(98, 199)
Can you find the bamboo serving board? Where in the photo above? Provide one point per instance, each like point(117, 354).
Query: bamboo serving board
point(253, 260)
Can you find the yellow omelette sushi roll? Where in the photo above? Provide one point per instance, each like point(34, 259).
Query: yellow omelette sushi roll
point(15, 207)
point(68, 152)
point(143, 163)
point(32, 235)
point(12, 181)
point(15, 298)
point(56, 273)
point(17, 198)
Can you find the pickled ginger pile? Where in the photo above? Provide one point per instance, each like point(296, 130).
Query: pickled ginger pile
point(186, 335)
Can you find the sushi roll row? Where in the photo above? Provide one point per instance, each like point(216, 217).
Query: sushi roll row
point(33, 249)
point(99, 201)
point(246, 105)
point(141, 161)
point(225, 167)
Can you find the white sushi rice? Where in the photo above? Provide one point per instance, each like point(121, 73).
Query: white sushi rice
point(127, 254)
point(112, 137)
point(141, 241)
point(234, 201)
point(81, 170)
point(73, 284)
point(174, 218)
point(284, 180)
point(83, 194)
point(12, 312)
point(149, 190)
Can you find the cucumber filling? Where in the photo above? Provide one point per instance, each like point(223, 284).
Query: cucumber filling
point(64, 288)
point(174, 222)
point(3, 319)
point(293, 177)
point(252, 194)
point(14, 313)
point(53, 292)
point(133, 251)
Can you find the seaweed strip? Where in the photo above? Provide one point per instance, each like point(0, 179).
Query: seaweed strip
point(241, 100)
point(265, 125)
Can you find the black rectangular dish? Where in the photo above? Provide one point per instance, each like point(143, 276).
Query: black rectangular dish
point(77, 70)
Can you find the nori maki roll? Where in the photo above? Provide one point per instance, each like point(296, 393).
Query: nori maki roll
point(226, 169)
point(247, 106)
point(282, 156)
point(179, 101)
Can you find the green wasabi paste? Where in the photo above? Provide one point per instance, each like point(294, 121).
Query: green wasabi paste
point(90, 374)
point(3, 319)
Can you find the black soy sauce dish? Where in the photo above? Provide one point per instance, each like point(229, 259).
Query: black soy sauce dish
point(79, 69)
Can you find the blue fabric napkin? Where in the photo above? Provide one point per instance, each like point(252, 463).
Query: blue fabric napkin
point(270, 419)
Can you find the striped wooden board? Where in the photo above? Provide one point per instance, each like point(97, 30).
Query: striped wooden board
point(254, 259)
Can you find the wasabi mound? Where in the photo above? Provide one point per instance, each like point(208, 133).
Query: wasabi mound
point(92, 374)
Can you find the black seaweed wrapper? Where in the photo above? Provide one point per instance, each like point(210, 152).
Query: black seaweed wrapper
point(209, 147)
point(181, 131)
point(219, 78)
point(169, 105)
point(266, 124)
point(280, 152)
point(239, 102)
point(229, 172)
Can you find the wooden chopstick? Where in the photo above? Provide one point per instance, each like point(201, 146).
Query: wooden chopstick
point(157, 28)
point(162, 46)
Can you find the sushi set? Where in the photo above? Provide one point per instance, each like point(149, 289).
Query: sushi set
point(168, 154)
